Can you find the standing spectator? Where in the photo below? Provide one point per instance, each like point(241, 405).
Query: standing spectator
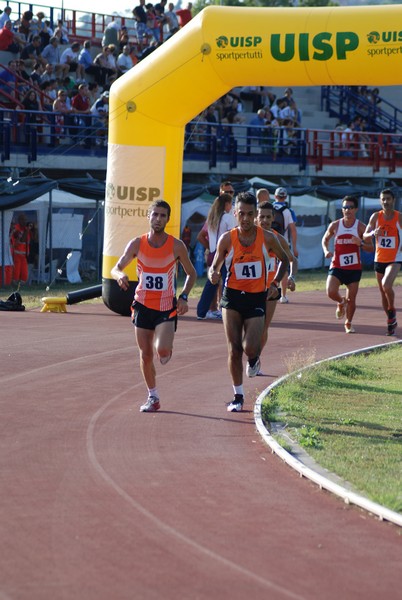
point(5, 16)
point(10, 41)
point(70, 57)
point(385, 226)
point(172, 20)
point(111, 34)
point(140, 18)
point(20, 239)
point(220, 219)
point(153, 25)
point(185, 15)
point(82, 108)
point(346, 265)
point(100, 113)
point(289, 231)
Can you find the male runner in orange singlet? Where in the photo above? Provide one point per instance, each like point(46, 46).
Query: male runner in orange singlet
point(155, 308)
point(245, 250)
point(386, 228)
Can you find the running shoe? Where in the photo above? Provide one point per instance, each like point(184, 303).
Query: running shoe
point(151, 405)
point(349, 328)
point(252, 371)
point(236, 405)
point(340, 310)
point(284, 300)
point(214, 314)
point(391, 326)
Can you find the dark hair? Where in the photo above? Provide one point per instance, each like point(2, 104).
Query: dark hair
point(246, 198)
point(388, 191)
point(159, 204)
point(265, 205)
point(352, 199)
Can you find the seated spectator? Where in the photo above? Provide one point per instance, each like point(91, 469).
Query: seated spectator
point(8, 80)
point(24, 26)
point(25, 81)
point(63, 109)
point(257, 125)
point(70, 57)
point(124, 40)
point(124, 62)
point(48, 95)
point(51, 54)
point(49, 73)
point(31, 101)
point(100, 112)
point(37, 73)
point(10, 41)
point(61, 32)
point(105, 60)
point(93, 92)
point(99, 72)
point(258, 95)
point(31, 54)
point(82, 109)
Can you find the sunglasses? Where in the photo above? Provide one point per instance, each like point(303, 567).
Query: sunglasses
point(348, 207)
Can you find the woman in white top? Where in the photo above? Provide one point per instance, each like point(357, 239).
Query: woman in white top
point(219, 220)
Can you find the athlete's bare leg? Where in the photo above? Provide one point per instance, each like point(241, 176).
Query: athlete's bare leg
point(253, 330)
point(233, 324)
point(270, 307)
point(164, 335)
point(333, 285)
point(145, 341)
point(351, 293)
point(385, 284)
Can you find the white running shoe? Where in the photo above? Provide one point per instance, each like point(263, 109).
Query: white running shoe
point(349, 328)
point(340, 309)
point(213, 314)
point(284, 300)
point(151, 405)
point(236, 405)
point(253, 371)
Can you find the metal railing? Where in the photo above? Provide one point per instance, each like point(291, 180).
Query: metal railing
point(33, 133)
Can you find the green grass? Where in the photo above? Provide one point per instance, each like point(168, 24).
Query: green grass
point(348, 416)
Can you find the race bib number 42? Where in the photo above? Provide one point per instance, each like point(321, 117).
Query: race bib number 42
point(248, 270)
point(386, 242)
point(157, 282)
point(346, 260)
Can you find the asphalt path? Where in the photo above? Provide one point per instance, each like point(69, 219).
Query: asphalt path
point(100, 501)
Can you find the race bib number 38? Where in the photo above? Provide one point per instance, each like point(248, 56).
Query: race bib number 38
point(157, 282)
point(248, 270)
point(346, 260)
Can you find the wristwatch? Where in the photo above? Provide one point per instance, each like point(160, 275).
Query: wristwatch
point(184, 297)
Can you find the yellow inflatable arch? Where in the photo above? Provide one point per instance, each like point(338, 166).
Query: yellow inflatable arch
point(219, 49)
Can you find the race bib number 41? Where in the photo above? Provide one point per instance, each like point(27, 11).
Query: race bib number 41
point(248, 270)
point(157, 282)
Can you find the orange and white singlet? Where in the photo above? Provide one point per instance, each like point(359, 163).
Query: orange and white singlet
point(346, 254)
point(272, 265)
point(247, 265)
point(156, 270)
point(388, 247)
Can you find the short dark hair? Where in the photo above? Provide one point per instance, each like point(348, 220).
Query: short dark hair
point(265, 205)
point(352, 199)
point(247, 198)
point(159, 204)
point(388, 191)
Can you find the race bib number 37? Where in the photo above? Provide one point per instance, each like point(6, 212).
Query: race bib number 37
point(157, 282)
point(248, 270)
point(346, 260)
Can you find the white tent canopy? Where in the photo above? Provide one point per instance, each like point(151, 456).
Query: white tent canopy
point(66, 230)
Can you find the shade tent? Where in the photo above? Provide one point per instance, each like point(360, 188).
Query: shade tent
point(59, 227)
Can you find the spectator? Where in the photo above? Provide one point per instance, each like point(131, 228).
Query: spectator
point(185, 15)
point(99, 72)
point(31, 54)
point(106, 61)
point(124, 40)
point(140, 19)
point(39, 27)
point(82, 108)
point(70, 57)
point(111, 34)
point(37, 73)
point(61, 32)
point(48, 73)
point(51, 53)
point(10, 41)
point(124, 62)
point(31, 102)
point(289, 230)
point(153, 24)
point(172, 20)
point(5, 16)
point(8, 80)
point(93, 92)
point(24, 26)
point(100, 112)
point(63, 109)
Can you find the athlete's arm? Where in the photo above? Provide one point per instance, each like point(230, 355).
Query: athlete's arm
point(325, 240)
point(181, 253)
point(371, 229)
point(272, 244)
point(222, 249)
point(293, 237)
point(130, 252)
point(366, 244)
point(294, 263)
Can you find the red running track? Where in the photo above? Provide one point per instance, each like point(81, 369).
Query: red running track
point(99, 501)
